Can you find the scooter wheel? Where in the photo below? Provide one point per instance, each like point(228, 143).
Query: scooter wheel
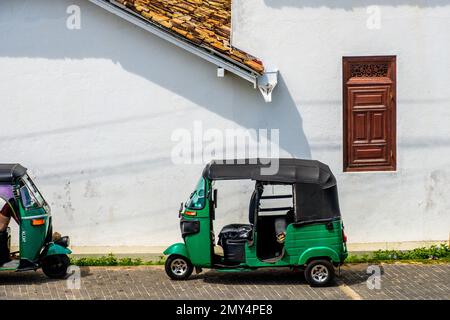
point(178, 267)
point(319, 273)
point(55, 266)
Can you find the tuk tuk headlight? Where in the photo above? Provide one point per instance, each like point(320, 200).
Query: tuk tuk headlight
point(63, 241)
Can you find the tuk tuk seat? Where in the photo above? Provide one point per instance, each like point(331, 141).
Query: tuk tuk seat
point(235, 232)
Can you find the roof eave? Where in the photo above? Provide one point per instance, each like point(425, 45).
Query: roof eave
point(266, 82)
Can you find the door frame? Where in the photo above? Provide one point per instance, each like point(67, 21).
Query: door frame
point(390, 79)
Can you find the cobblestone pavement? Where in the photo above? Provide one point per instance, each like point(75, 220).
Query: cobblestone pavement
point(399, 281)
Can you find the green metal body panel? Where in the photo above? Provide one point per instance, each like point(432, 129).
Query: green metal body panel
point(318, 252)
point(32, 238)
point(199, 245)
point(196, 247)
point(234, 270)
point(177, 248)
point(302, 243)
point(315, 240)
point(54, 249)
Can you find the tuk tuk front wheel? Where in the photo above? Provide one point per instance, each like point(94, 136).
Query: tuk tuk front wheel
point(55, 266)
point(178, 267)
point(319, 273)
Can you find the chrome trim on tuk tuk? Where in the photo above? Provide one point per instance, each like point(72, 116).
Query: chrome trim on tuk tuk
point(37, 217)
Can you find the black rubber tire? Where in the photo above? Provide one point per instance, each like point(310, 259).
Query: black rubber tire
point(312, 280)
point(55, 266)
point(183, 274)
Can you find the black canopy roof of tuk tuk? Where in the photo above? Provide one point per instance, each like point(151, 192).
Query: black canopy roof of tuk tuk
point(10, 171)
point(290, 171)
point(314, 185)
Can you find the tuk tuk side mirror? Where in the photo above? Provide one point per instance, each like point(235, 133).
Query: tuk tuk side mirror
point(215, 198)
point(181, 209)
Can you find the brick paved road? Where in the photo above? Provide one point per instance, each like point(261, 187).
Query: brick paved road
point(397, 282)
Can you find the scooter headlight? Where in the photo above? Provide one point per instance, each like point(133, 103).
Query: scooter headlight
point(63, 241)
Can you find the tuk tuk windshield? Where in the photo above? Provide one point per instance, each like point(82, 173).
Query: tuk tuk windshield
point(31, 197)
point(197, 198)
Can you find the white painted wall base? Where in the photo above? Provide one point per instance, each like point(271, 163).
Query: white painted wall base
point(408, 245)
point(352, 247)
point(157, 250)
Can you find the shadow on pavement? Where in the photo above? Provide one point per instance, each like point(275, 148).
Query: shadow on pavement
point(358, 273)
point(12, 278)
point(257, 277)
point(350, 275)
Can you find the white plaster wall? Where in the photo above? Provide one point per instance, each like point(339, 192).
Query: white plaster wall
point(90, 112)
point(307, 40)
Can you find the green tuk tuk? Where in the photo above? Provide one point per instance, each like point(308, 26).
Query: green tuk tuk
point(307, 235)
point(38, 246)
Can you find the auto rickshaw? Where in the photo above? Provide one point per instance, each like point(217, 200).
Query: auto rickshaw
point(308, 235)
point(38, 246)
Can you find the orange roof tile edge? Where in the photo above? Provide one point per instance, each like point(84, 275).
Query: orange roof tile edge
point(205, 23)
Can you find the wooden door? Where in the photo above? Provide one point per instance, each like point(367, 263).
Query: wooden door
point(369, 114)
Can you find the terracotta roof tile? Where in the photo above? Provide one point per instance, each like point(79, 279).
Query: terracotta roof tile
point(203, 22)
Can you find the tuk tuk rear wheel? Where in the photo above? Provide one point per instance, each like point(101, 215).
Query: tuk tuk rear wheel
point(319, 273)
point(55, 266)
point(178, 267)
